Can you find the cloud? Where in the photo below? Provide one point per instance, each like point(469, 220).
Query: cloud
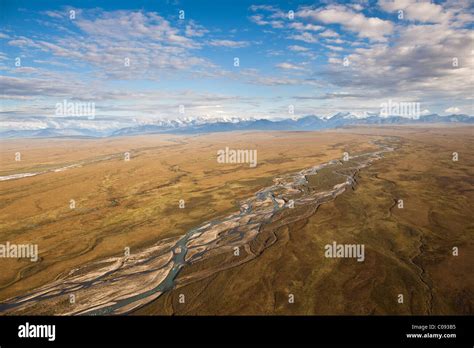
point(335, 48)
point(254, 77)
point(333, 95)
point(42, 96)
point(423, 11)
point(229, 43)
point(259, 20)
point(195, 30)
point(305, 36)
point(357, 7)
point(372, 28)
point(305, 27)
point(329, 33)
point(297, 48)
point(273, 16)
point(336, 41)
point(417, 64)
point(263, 7)
point(22, 41)
point(409, 60)
point(55, 14)
point(125, 44)
point(288, 66)
point(127, 25)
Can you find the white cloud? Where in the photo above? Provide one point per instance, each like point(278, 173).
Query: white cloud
point(329, 33)
point(357, 7)
point(262, 7)
point(120, 25)
point(258, 19)
point(372, 28)
point(423, 11)
point(305, 36)
point(273, 17)
point(55, 14)
point(335, 48)
point(105, 40)
point(195, 30)
point(288, 66)
point(228, 43)
point(417, 64)
point(304, 27)
point(336, 41)
point(298, 48)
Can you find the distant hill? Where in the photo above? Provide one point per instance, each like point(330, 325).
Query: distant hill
point(202, 125)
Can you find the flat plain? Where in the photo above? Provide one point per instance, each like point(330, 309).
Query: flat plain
point(133, 204)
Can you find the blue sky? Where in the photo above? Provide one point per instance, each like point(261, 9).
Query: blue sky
point(329, 57)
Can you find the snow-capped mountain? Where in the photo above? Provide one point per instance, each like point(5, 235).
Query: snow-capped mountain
point(350, 115)
point(345, 116)
point(103, 126)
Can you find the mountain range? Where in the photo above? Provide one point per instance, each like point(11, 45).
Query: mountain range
point(103, 127)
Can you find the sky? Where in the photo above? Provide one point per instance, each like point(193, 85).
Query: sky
point(145, 59)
